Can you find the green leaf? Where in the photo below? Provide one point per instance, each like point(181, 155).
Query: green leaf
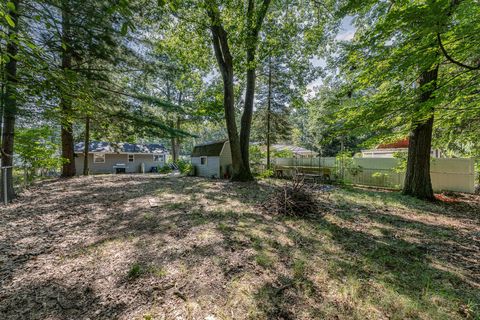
point(124, 29)
point(10, 20)
point(31, 45)
point(64, 46)
point(11, 6)
point(6, 58)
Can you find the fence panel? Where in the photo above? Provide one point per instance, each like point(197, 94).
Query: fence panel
point(446, 174)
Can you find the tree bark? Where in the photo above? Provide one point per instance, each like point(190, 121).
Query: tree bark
point(177, 139)
point(68, 168)
point(417, 178)
point(225, 63)
point(86, 169)
point(10, 106)
point(239, 143)
point(269, 109)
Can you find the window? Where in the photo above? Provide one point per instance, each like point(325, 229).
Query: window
point(158, 158)
point(203, 160)
point(131, 157)
point(99, 158)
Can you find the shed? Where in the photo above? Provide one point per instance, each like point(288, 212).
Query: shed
point(212, 159)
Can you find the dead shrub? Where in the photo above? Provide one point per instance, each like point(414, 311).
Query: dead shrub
point(294, 199)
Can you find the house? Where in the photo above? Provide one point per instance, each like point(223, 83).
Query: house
point(388, 150)
point(298, 152)
point(105, 157)
point(212, 159)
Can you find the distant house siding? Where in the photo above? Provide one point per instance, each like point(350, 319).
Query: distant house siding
point(225, 160)
point(113, 159)
point(208, 170)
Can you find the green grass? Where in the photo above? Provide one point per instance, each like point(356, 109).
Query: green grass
point(138, 269)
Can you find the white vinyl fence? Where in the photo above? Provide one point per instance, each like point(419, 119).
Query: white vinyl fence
point(446, 173)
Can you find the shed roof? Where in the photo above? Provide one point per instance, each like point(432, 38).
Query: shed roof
point(107, 147)
point(399, 144)
point(209, 149)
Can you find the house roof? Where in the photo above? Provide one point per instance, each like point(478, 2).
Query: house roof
point(293, 149)
point(107, 147)
point(400, 144)
point(209, 149)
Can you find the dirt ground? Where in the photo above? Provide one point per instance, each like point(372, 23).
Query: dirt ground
point(153, 247)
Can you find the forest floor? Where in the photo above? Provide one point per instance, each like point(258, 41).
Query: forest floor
point(156, 247)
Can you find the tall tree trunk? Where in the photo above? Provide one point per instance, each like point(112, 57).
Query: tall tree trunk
point(246, 123)
point(176, 124)
point(173, 150)
point(239, 144)
point(254, 24)
point(86, 150)
point(177, 139)
point(68, 169)
point(225, 63)
point(238, 167)
point(417, 177)
point(269, 109)
point(10, 106)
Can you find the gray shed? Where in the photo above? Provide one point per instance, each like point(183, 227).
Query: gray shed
point(213, 159)
point(105, 157)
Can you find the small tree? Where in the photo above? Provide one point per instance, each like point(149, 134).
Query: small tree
point(36, 150)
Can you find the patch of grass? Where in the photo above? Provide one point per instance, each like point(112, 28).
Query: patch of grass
point(299, 269)
point(256, 242)
point(175, 206)
point(263, 260)
point(135, 271)
point(138, 269)
point(157, 271)
point(222, 227)
point(148, 216)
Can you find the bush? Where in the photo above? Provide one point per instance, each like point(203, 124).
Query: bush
point(165, 169)
point(184, 166)
point(266, 173)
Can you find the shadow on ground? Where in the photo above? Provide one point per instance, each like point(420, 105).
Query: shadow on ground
point(128, 247)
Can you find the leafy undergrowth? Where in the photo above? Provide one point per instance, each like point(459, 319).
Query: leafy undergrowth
point(150, 247)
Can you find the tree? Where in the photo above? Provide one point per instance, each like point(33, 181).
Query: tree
point(235, 30)
point(285, 70)
point(37, 149)
point(397, 76)
point(68, 169)
point(9, 98)
point(239, 143)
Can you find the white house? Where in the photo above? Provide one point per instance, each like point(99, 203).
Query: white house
point(105, 157)
point(213, 159)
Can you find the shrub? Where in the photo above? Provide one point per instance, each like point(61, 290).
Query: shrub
point(184, 166)
point(165, 169)
point(266, 173)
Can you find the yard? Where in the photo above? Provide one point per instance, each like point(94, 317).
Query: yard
point(153, 247)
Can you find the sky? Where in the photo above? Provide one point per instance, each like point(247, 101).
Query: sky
point(346, 33)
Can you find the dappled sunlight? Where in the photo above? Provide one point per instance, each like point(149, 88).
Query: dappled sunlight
point(204, 247)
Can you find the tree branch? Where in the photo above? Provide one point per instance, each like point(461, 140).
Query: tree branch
point(449, 58)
